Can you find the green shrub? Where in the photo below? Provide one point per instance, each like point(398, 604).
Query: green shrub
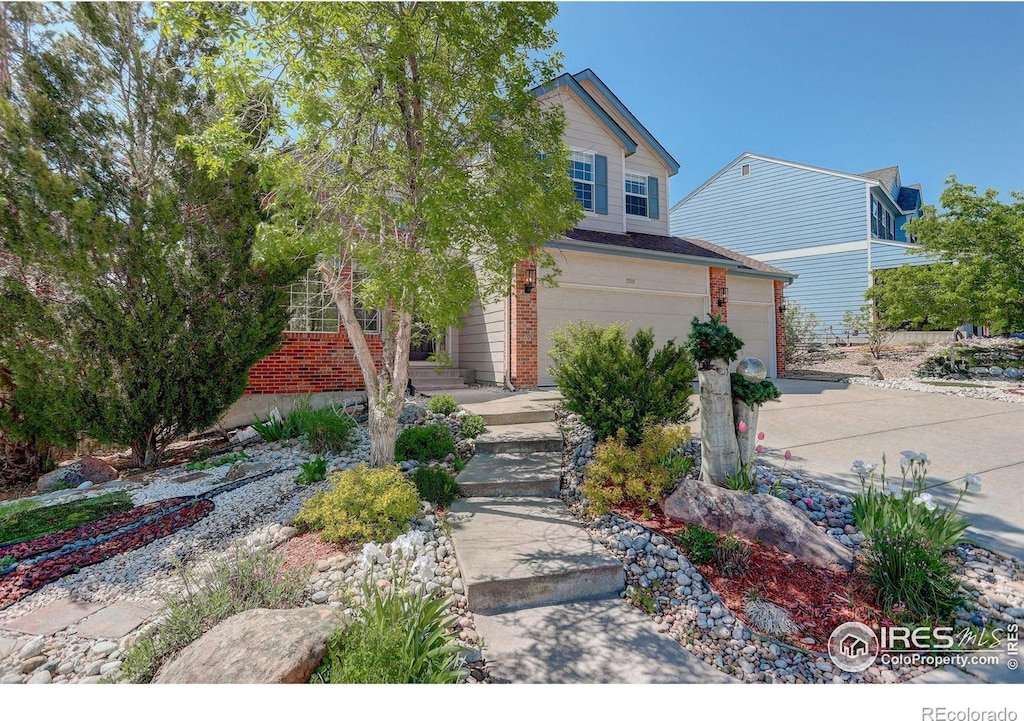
point(239, 582)
point(909, 571)
point(731, 557)
point(698, 543)
point(363, 504)
point(32, 522)
point(435, 484)
point(312, 471)
point(711, 339)
point(620, 474)
point(432, 442)
point(754, 394)
point(222, 461)
point(397, 638)
point(443, 404)
point(6, 561)
point(613, 384)
point(273, 429)
point(801, 328)
point(472, 426)
point(326, 429)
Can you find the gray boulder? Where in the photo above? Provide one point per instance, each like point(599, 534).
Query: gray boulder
point(260, 646)
point(84, 470)
point(759, 517)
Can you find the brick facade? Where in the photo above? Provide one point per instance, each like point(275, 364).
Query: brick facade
point(717, 277)
point(780, 329)
point(523, 328)
point(312, 363)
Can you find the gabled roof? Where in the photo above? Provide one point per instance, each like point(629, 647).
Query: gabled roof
point(885, 176)
point(568, 81)
point(688, 247)
point(909, 197)
point(634, 125)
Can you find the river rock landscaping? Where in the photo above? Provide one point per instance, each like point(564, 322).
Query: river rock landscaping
point(184, 517)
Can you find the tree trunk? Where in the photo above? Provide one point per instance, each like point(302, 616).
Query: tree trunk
point(747, 441)
point(383, 428)
point(719, 451)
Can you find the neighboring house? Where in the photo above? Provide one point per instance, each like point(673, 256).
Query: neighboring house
point(832, 229)
point(620, 264)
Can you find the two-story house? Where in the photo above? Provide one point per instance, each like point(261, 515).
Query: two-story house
point(833, 229)
point(620, 264)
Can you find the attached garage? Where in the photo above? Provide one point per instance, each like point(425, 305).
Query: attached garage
point(608, 289)
point(752, 317)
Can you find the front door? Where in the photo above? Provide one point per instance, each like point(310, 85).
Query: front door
point(426, 345)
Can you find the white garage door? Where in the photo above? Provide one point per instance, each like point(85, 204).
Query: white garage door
point(635, 293)
point(752, 322)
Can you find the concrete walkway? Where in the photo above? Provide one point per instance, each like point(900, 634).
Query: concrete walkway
point(829, 425)
point(545, 594)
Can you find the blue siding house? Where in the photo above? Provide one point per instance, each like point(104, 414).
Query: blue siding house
point(832, 229)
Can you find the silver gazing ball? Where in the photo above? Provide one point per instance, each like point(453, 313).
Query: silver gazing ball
point(752, 370)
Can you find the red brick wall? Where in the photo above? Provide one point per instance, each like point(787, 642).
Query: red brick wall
point(524, 329)
point(717, 282)
point(311, 363)
point(780, 330)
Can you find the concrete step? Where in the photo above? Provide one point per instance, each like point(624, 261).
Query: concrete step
point(605, 641)
point(427, 372)
point(511, 474)
point(437, 384)
point(524, 552)
point(520, 438)
point(511, 412)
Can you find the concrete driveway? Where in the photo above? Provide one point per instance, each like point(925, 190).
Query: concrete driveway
point(829, 425)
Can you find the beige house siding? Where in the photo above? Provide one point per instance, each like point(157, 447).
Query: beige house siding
point(481, 342)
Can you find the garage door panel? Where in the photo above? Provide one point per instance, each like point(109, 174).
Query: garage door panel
point(752, 322)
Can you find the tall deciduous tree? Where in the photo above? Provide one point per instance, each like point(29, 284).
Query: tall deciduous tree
point(132, 295)
point(981, 240)
point(410, 145)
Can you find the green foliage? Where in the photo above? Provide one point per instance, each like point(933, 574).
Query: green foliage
point(443, 404)
point(870, 324)
point(978, 242)
point(712, 339)
point(312, 471)
point(641, 475)
point(909, 571)
point(698, 543)
point(435, 484)
point(614, 385)
point(731, 557)
point(150, 311)
point(398, 637)
point(222, 461)
point(431, 442)
point(646, 599)
point(447, 154)
point(754, 394)
point(363, 504)
point(326, 429)
point(19, 506)
point(801, 328)
point(242, 581)
point(472, 426)
point(26, 524)
point(745, 479)
point(273, 429)
point(6, 561)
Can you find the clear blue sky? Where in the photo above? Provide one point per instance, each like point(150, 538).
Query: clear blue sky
point(936, 88)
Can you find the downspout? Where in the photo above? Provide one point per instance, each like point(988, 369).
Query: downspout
point(506, 317)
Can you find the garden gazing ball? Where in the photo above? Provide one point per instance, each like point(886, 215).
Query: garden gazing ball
point(752, 370)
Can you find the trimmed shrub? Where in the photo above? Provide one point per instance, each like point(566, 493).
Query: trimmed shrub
point(363, 504)
point(754, 394)
point(443, 404)
point(613, 384)
point(432, 442)
point(435, 484)
point(641, 475)
point(711, 339)
point(472, 426)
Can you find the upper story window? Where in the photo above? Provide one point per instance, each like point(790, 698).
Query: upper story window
point(581, 170)
point(883, 223)
point(745, 170)
point(313, 309)
point(636, 194)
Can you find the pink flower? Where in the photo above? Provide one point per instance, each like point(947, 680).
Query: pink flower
point(787, 455)
point(808, 501)
point(760, 436)
point(743, 427)
point(758, 448)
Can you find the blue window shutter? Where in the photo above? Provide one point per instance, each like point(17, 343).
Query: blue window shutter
point(652, 198)
point(601, 184)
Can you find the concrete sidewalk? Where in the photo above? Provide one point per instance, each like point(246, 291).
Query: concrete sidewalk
point(829, 425)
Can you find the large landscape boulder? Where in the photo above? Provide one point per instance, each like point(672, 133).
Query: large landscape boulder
point(88, 469)
point(756, 517)
point(260, 646)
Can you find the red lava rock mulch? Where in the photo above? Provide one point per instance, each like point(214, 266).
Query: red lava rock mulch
point(310, 548)
point(816, 599)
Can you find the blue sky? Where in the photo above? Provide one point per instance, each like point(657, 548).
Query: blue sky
point(936, 88)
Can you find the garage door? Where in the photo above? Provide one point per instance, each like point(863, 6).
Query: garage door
point(637, 294)
point(752, 322)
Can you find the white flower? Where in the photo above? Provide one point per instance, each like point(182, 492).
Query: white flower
point(371, 554)
point(894, 490)
point(871, 467)
point(408, 544)
point(972, 481)
point(927, 499)
point(911, 456)
point(858, 466)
